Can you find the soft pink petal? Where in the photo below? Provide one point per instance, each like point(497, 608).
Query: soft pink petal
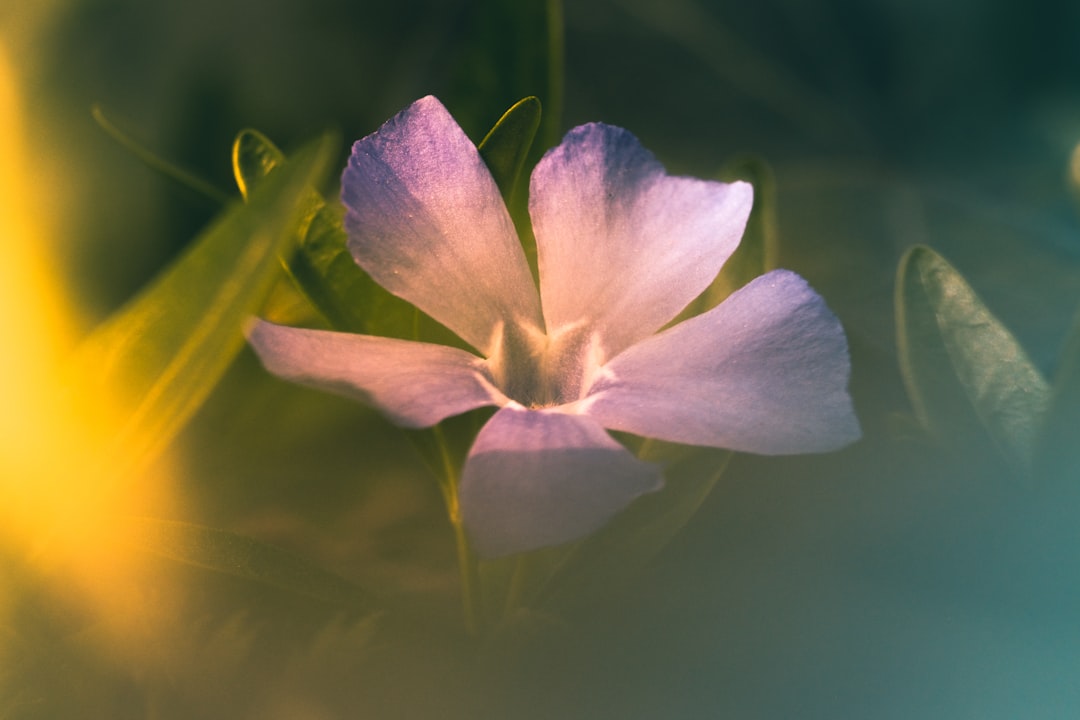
point(539, 478)
point(766, 372)
point(623, 247)
point(414, 384)
point(426, 221)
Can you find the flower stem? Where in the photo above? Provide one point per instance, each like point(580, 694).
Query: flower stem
point(469, 573)
point(154, 162)
point(519, 585)
point(556, 71)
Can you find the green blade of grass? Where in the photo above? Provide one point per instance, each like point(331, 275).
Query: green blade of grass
point(158, 357)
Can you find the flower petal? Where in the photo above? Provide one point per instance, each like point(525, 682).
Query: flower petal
point(622, 246)
point(426, 221)
point(537, 478)
point(765, 371)
point(415, 384)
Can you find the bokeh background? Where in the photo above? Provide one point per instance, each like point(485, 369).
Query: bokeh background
point(890, 580)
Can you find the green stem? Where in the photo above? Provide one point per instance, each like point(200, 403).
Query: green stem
point(519, 585)
point(154, 162)
point(470, 573)
point(556, 69)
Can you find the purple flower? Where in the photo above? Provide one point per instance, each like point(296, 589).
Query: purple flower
point(623, 248)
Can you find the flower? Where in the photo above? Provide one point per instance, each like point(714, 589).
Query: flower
point(622, 249)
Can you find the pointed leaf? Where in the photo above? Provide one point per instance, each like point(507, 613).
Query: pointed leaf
point(253, 157)
point(160, 355)
point(635, 537)
point(506, 145)
point(244, 557)
point(967, 377)
point(340, 299)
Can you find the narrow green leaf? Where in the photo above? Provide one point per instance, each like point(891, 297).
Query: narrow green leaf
point(613, 555)
point(160, 355)
point(244, 557)
point(967, 377)
point(506, 145)
point(1058, 447)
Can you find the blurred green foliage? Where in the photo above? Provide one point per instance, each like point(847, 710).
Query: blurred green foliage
point(968, 379)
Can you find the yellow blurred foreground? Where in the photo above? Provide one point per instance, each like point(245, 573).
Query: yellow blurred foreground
point(61, 510)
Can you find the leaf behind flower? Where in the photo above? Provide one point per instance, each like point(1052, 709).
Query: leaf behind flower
point(507, 144)
point(967, 377)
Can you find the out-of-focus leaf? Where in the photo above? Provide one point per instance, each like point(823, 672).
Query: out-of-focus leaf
point(611, 556)
point(158, 357)
point(966, 375)
point(506, 145)
point(1058, 448)
point(244, 557)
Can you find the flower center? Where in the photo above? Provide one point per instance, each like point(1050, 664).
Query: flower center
point(540, 370)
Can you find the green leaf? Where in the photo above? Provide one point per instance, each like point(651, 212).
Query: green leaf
point(324, 269)
point(340, 288)
point(253, 157)
point(506, 145)
point(244, 557)
point(504, 150)
point(327, 274)
point(1058, 447)
point(967, 377)
point(613, 555)
point(160, 355)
